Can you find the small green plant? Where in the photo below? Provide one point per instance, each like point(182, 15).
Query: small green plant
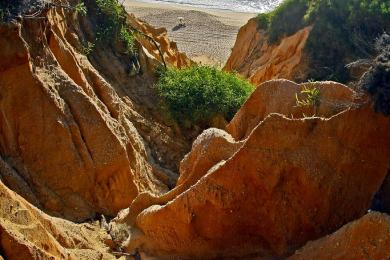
point(195, 95)
point(80, 8)
point(88, 48)
point(311, 97)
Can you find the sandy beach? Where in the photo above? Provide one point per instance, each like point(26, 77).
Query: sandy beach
point(209, 34)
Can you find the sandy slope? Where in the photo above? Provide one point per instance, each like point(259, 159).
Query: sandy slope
point(209, 34)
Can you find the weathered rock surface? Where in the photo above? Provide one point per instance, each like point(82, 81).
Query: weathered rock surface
point(28, 233)
point(366, 238)
point(255, 59)
point(280, 188)
point(74, 139)
point(278, 96)
point(169, 49)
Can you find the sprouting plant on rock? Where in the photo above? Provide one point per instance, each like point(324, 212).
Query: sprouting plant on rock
point(310, 97)
point(88, 48)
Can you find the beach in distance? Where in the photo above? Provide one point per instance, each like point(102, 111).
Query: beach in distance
point(209, 33)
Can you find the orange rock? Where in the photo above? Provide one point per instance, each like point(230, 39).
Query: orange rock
point(366, 238)
point(288, 182)
point(71, 142)
point(172, 55)
point(278, 96)
point(28, 233)
point(255, 59)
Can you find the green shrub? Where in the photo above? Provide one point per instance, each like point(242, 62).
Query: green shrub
point(343, 31)
point(195, 95)
point(287, 19)
point(263, 20)
point(128, 38)
point(113, 24)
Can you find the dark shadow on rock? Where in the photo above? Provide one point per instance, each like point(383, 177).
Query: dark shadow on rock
point(381, 200)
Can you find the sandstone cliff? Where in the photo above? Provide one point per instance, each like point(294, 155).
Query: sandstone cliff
point(271, 183)
point(80, 137)
point(254, 58)
point(81, 134)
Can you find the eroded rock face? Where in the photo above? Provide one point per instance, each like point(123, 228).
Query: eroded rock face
point(278, 96)
point(169, 49)
point(28, 233)
point(366, 238)
point(255, 59)
point(290, 180)
point(73, 140)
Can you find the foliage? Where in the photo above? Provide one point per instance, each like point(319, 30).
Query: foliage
point(284, 20)
point(8, 7)
point(113, 24)
point(287, 19)
point(312, 97)
point(263, 20)
point(343, 31)
point(128, 38)
point(2, 15)
point(197, 94)
point(80, 8)
point(88, 48)
point(377, 81)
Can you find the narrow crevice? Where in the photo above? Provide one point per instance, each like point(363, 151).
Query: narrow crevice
point(381, 201)
point(11, 178)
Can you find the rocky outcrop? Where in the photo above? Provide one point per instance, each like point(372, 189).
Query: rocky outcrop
point(260, 197)
point(279, 97)
point(254, 58)
point(169, 49)
point(366, 238)
point(79, 137)
point(28, 233)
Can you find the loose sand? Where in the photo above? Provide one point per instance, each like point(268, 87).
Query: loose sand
point(208, 36)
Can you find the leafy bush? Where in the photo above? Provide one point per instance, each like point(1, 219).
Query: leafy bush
point(287, 19)
point(195, 95)
point(377, 81)
point(263, 20)
point(113, 24)
point(343, 31)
